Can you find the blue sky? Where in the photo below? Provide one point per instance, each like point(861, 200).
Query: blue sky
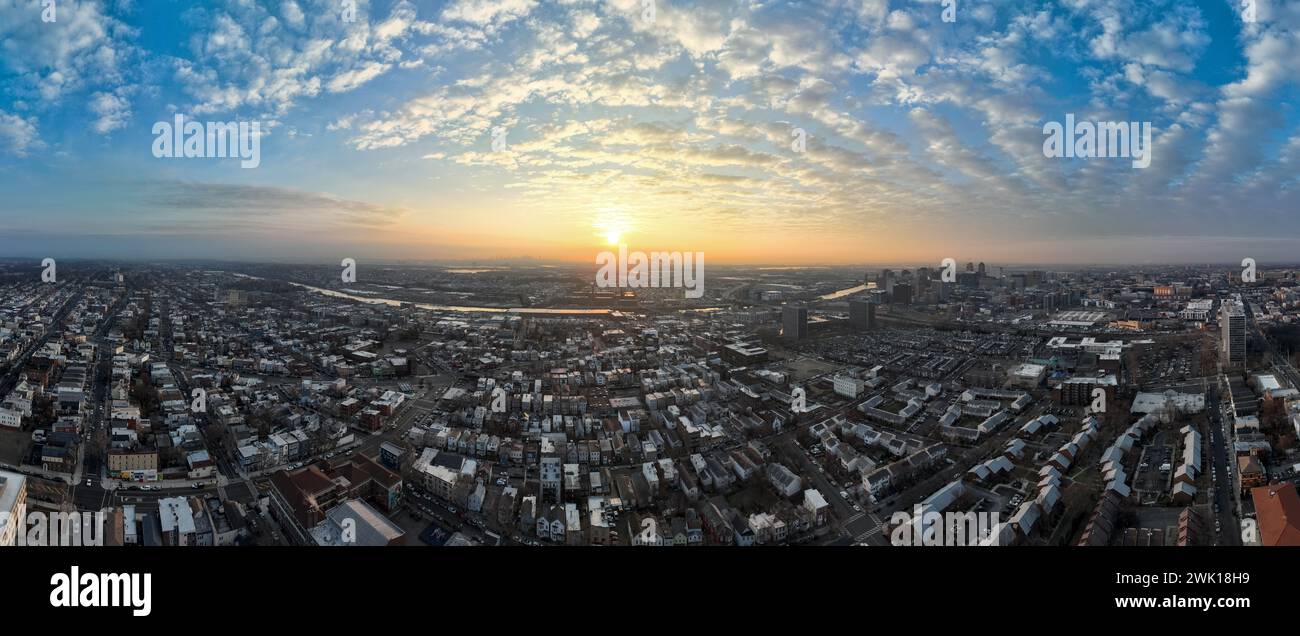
point(924, 137)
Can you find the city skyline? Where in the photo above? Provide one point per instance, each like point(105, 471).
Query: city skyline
point(676, 129)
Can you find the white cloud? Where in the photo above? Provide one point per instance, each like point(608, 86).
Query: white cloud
point(348, 80)
point(907, 117)
point(245, 57)
point(17, 134)
point(482, 12)
point(48, 60)
point(113, 110)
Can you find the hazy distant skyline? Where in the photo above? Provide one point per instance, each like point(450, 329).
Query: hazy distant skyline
point(923, 137)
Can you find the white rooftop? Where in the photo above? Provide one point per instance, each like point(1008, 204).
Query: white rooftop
point(176, 515)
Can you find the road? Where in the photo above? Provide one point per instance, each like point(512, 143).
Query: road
point(862, 527)
point(147, 500)
point(1225, 500)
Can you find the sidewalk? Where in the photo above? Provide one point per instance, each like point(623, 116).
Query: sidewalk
point(81, 460)
point(37, 471)
point(111, 483)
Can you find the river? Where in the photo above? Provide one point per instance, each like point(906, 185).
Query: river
point(536, 311)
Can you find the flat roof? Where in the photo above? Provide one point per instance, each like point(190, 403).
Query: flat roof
point(10, 485)
point(176, 515)
point(372, 528)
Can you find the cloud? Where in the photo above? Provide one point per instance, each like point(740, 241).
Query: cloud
point(247, 56)
point(253, 204)
point(689, 112)
point(113, 111)
point(43, 64)
point(481, 12)
point(46, 61)
point(349, 80)
point(17, 134)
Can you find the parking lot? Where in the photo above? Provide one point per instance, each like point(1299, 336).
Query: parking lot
point(1152, 480)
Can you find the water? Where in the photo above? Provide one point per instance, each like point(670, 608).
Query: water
point(847, 292)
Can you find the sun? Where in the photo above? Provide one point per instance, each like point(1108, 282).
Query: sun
point(612, 224)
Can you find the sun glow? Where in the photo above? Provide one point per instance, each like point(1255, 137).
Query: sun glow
point(612, 224)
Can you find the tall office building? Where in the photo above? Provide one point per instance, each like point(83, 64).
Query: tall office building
point(862, 314)
point(886, 280)
point(794, 323)
point(902, 294)
point(1232, 324)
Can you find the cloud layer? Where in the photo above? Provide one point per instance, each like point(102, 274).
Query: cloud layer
point(831, 118)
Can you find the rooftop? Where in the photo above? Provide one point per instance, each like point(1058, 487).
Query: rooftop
point(1277, 508)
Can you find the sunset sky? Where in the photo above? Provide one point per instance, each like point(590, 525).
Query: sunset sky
point(672, 131)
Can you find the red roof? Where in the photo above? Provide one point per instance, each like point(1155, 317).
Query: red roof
point(1277, 508)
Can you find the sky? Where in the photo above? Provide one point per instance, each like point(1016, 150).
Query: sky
point(781, 132)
